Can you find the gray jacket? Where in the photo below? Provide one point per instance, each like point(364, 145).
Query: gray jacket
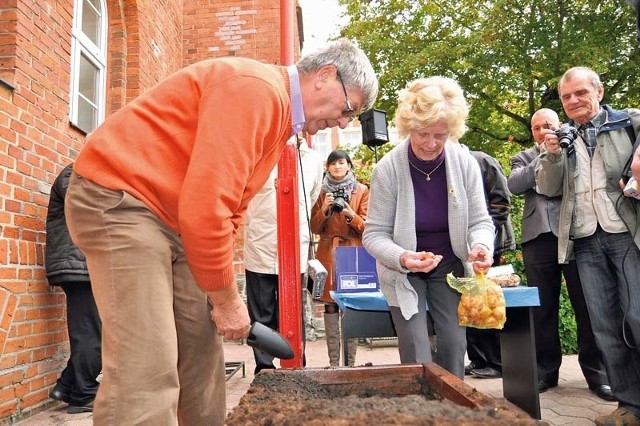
point(390, 226)
point(540, 214)
point(552, 174)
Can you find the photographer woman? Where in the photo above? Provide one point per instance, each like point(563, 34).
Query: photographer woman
point(338, 218)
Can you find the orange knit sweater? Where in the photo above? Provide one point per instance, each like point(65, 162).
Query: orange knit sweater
point(195, 149)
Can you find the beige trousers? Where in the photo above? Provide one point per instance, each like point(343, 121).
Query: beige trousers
point(163, 362)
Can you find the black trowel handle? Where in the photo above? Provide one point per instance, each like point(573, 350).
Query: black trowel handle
point(270, 341)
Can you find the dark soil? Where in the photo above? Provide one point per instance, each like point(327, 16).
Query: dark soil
point(294, 399)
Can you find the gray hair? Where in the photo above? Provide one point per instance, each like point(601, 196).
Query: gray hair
point(572, 72)
point(352, 64)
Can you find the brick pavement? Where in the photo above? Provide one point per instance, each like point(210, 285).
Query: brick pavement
point(571, 403)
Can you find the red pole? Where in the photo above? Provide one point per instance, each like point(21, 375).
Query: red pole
point(289, 288)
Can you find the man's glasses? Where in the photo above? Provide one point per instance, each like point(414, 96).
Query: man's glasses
point(349, 112)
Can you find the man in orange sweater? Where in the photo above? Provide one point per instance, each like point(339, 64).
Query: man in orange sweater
point(154, 203)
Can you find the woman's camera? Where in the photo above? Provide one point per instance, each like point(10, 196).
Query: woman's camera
point(340, 198)
point(566, 135)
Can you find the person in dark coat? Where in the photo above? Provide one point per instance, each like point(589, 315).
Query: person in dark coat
point(483, 346)
point(66, 268)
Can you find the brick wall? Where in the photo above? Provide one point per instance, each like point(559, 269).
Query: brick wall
point(35, 141)
point(147, 42)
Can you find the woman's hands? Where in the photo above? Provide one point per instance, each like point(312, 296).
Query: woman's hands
point(481, 258)
point(327, 206)
point(327, 203)
point(419, 261)
point(348, 212)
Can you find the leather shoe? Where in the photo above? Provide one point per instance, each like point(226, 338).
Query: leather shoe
point(469, 367)
point(77, 409)
point(486, 373)
point(603, 391)
point(544, 386)
point(57, 394)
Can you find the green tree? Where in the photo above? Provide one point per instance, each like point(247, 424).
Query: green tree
point(508, 56)
point(366, 158)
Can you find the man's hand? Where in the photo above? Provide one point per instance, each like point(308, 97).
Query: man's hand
point(229, 313)
point(420, 261)
point(551, 143)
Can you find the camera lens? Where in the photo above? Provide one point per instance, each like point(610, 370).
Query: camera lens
point(338, 205)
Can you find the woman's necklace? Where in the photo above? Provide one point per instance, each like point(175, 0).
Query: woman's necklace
point(428, 175)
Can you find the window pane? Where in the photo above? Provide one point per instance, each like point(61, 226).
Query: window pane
point(321, 145)
point(88, 84)
point(91, 21)
point(87, 115)
point(352, 138)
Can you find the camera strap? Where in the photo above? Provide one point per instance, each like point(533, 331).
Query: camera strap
point(312, 251)
point(626, 171)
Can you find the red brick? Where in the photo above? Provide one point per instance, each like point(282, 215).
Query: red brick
point(36, 141)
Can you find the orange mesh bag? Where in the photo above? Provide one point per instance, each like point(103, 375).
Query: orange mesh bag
point(482, 303)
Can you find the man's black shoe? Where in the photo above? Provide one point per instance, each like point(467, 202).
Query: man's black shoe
point(545, 386)
point(57, 394)
point(603, 391)
point(486, 373)
point(78, 409)
point(471, 366)
point(263, 367)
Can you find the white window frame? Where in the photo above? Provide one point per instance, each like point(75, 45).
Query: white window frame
point(81, 45)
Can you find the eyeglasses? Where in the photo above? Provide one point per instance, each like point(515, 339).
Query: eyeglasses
point(349, 113)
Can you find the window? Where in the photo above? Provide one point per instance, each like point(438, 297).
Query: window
point(88, 64)
point(351, 137)
point(321, 144)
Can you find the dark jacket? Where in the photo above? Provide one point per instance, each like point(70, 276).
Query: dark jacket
point(541, 213)
point(498, 200)
point(64, 262)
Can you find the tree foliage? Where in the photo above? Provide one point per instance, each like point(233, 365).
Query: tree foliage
point(508, 56)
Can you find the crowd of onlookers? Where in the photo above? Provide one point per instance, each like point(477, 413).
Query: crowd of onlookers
point(154, 210)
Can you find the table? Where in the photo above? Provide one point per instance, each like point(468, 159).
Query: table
point(366, 314)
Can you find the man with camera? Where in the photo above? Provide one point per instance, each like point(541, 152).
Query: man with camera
point(540, 252)
point(600, 226)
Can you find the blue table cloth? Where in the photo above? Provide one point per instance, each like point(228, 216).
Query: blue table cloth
point(514, 297)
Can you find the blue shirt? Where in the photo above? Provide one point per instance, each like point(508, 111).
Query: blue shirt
point(297, 110)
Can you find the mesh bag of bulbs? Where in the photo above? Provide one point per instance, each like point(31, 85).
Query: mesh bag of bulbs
point(482, 303)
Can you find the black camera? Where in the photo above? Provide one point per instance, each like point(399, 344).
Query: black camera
point(566, 135)
point(340, 198)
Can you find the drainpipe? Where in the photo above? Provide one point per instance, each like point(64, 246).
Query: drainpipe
point(289, 286)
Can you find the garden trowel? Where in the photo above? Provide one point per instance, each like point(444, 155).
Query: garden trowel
point(270, 341)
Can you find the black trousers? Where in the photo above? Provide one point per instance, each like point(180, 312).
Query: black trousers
point(543, 271)
point(262, 303)
point(78, 379)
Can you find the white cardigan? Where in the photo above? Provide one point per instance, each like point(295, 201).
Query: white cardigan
point(390, 226)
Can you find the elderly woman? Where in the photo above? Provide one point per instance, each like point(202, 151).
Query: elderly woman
point(428, 217)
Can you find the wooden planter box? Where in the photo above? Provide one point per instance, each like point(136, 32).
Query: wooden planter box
point(273, 400)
